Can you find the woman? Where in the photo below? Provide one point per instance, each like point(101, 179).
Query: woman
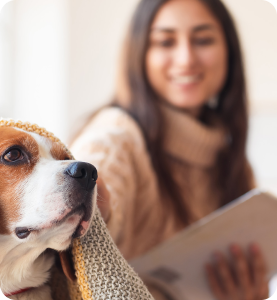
point(171, 148)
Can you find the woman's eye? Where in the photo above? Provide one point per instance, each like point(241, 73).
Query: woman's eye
point(13, 155)
point(167, 43)
point(203, 41)
point(163, 43)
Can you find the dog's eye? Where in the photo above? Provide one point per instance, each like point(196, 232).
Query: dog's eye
point(22, 232)
point(13, 155)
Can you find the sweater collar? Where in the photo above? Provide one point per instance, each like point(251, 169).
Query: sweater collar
point(188, 139)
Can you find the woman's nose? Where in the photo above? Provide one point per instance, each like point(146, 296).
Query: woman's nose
point(184, 55)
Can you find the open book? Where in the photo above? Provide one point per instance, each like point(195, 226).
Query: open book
point(177, 266)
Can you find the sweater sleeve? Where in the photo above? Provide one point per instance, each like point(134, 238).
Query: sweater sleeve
point(111, 142)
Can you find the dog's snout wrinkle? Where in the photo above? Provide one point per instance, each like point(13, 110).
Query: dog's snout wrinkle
point(84, 173)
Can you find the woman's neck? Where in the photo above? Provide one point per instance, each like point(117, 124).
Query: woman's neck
point(189, 139)
point(194, 112)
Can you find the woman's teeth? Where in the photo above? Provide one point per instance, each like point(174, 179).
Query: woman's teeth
point(186, 79)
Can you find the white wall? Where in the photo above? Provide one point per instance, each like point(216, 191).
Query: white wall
point(36, 71)
point(62, 59)
point(6, 59)
point(97, 29)
point(257, 22)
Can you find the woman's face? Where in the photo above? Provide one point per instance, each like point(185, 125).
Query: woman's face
point(186, 60)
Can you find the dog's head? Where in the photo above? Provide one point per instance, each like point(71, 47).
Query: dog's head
point(46, 198)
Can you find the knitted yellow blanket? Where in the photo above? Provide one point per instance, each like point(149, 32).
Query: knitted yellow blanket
point(102, 272)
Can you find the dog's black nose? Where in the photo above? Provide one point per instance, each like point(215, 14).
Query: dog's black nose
point(84, 173)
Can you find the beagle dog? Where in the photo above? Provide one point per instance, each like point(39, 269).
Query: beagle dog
point(46, 200)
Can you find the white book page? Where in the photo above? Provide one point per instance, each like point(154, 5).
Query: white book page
point(178, 264)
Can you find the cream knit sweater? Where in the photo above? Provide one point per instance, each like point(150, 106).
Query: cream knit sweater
point(114, 143)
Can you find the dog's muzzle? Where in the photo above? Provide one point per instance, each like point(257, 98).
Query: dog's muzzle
point(84, 175)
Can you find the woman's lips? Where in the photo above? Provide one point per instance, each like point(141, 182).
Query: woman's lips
point(186, 80)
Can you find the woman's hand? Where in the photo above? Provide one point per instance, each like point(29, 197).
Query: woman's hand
point(242, 279)
point(103, 199)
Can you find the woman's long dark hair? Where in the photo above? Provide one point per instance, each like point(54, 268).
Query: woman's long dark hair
point(135, 95)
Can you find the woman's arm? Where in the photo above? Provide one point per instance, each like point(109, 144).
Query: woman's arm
point(113, 143)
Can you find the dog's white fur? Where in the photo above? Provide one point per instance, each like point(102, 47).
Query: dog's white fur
point(23, 262)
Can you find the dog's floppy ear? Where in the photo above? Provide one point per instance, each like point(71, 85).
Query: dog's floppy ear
point(67, 265)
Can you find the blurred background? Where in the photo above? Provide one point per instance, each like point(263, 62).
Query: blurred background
point(58, 61)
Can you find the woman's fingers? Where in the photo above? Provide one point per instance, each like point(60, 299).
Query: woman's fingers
point(214, 283)
point(220, 279)
point(243, 278)
point(257, 263)
point(258, 267)
point(242, 272)
point(103, 199)
point(224, 273)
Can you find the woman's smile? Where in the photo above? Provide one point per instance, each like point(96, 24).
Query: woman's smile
point(185, 81)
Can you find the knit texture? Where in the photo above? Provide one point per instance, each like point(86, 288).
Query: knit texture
point(102, 272)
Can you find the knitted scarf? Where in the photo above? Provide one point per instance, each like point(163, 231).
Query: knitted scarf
point(101, 271)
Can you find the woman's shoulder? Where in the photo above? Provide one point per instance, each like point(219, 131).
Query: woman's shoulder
point(111, 124)
point(113, 117)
